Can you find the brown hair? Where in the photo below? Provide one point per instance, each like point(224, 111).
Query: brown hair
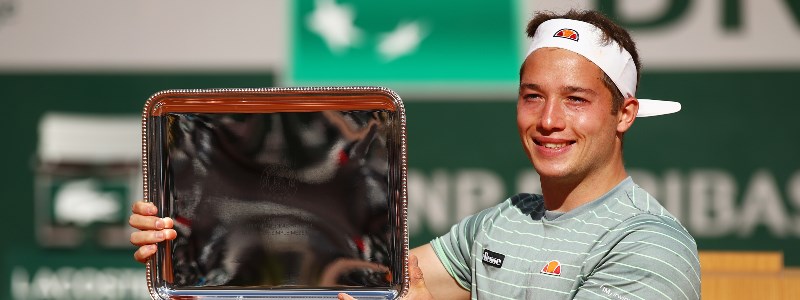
point(611, 32)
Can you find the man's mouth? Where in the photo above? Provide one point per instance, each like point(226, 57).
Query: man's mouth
point(554, 146)
point(551, 145)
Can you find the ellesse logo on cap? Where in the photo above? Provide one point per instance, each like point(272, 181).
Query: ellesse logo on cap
point(552, 268)
point(567, 33)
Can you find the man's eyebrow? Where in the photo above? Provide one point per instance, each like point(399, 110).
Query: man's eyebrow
point(530, 86)
point(566, 89)
point(575, 89)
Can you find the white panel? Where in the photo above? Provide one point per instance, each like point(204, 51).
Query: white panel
point(90, 138)
point(145, 34)
point(769, 38)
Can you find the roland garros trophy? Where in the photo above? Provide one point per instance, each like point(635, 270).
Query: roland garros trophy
point(284, 193)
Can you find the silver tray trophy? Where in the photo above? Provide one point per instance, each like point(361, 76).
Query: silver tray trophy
point(278, 193)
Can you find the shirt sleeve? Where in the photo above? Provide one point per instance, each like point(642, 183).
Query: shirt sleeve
point(455, 248)
point(652, 258)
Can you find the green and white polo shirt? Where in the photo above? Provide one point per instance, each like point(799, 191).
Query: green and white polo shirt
point(623, 245)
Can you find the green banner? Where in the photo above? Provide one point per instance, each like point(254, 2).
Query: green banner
point(423, 44)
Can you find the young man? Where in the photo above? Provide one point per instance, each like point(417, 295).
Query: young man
point(592, 233)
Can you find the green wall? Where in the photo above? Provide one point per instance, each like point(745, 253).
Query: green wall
point(728, 161)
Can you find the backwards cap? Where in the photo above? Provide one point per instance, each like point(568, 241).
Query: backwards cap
point(587, 40)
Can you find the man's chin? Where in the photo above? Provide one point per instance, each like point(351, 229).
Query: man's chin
point(551, 168)
point(553, 174)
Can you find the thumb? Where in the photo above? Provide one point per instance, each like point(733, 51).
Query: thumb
point(416, 279)
point(416, 285)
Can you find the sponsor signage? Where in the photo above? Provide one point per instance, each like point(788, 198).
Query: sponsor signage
point(729, 193)
point(410, 46)
point(700, 34)
point(87, 176)
point(70, 172)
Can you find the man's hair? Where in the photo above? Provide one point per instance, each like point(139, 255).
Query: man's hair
point(611, 32)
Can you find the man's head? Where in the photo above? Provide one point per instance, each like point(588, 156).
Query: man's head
point(611, 32)
point(571, 115)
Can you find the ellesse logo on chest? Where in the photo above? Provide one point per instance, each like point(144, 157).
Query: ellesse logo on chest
point(493, 259)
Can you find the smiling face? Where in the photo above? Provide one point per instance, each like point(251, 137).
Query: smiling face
point(565, 119)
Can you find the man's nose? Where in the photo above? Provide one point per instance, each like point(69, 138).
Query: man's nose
point(552, 118)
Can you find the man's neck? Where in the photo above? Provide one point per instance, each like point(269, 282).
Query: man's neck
point(565, 194)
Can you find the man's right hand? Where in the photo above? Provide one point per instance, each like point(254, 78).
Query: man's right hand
point(152, 230)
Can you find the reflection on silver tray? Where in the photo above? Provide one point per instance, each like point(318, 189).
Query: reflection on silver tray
point(278, 193)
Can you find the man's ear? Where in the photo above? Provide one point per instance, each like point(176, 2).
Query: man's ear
point(627, 114)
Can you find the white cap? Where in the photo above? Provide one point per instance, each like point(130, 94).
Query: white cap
point(587, 40)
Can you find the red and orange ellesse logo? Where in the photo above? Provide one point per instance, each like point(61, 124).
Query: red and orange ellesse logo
point(567, 34)
point(552, 268)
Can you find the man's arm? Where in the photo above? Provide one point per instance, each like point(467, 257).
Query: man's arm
point(439, 282)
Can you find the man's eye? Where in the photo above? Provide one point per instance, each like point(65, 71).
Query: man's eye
point(577, 99)
point(531, 96)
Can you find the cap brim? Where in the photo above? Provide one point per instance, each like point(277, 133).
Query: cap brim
point(650, 108)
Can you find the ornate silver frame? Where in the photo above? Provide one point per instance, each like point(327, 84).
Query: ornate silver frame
point(289, 229)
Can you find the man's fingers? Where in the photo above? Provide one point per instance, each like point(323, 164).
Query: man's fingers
point(144, 253)
point(144, 208)
point(150, 223)
point(154, 229)
point(343, 296)
point(141, 238)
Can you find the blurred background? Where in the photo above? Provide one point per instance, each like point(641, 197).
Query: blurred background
point(74, 77)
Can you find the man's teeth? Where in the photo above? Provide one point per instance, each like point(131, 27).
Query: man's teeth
point(554, 146)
